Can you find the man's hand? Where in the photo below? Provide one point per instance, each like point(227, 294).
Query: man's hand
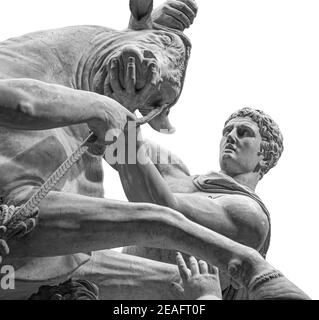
point(197, 283)
point(108, 126)
point(176, 14)
point(140, 80)
point(9, 230)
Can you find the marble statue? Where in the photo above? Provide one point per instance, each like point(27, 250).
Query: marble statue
point(58, 85)
point(224, 201)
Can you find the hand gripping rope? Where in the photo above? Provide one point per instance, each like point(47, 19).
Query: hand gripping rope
point(27, 210)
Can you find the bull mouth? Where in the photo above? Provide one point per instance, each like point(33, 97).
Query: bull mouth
point(149, 114)
point(157, 118)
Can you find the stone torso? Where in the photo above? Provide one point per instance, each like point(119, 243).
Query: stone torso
point(28, 158)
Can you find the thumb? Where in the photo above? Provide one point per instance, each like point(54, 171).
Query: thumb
point(3, 230)
point(178, 289)
point(4, 249)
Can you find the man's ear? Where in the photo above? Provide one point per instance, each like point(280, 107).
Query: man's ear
point(141, 11)
point(262, 164)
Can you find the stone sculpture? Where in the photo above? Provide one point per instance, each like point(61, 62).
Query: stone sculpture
point(224, 202)
point(56, 85)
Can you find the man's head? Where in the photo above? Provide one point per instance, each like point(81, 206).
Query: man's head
point(252, 142)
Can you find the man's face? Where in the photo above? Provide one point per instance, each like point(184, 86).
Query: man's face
point(240, 147)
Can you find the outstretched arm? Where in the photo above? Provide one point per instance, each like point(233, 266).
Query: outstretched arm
point(238, 218)
point(29, 104)
point(143, 182)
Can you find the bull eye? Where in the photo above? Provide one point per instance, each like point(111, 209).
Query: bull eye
point(167, 40)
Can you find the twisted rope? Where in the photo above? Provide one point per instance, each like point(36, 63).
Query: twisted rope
point(27, 210)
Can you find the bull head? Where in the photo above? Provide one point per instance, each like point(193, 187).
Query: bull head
point(170, 49)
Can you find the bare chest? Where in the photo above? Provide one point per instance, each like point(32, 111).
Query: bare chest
point(186, 186)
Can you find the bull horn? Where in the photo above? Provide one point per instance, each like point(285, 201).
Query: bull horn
point(141, 11)
point(161, 123)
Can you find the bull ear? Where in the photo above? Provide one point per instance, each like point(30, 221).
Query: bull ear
point(141, 11)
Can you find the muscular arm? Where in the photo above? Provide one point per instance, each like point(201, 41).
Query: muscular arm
point(143, 181)
point(34, 105)
point(236, 217)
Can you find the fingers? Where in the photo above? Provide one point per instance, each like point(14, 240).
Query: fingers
point(186, 10)
point(12, 211)
point(3, 230)
point(28, 227)
point(114, 75)
point(183, 270)
point(6, 214)
point(4, 249)
point(214, 270)
point(203, 267)
point(3, 214)
point(107, 87)
point(153, 80)
point(21, 228)
point(125, 76)
point(177, 14)
point(17, 228)
point(171, 21)
point(193, 265)
point(130, 76)
point(191, 4)
point(35, 214)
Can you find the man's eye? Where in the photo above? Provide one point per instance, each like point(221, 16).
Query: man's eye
point(243, 133)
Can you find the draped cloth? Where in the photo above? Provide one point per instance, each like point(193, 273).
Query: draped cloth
point(216, 182)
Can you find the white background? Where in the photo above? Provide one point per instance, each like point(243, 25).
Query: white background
point(263, 54)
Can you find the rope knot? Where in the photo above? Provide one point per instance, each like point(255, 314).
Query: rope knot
point(13, 229)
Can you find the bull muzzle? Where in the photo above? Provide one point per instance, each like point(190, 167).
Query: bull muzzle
point(161, 123)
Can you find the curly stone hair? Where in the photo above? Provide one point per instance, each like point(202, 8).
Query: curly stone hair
point(272, 139)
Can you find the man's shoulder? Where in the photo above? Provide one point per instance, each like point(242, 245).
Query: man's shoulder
point(249, 217)
point(238, 202)
point(241, 207)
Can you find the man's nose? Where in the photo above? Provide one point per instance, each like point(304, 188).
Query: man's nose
point(231, 137)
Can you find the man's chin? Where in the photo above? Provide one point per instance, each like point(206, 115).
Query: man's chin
point(228, 163)
point(228, 155)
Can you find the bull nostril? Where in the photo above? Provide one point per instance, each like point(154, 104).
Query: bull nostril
point(148, 54)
